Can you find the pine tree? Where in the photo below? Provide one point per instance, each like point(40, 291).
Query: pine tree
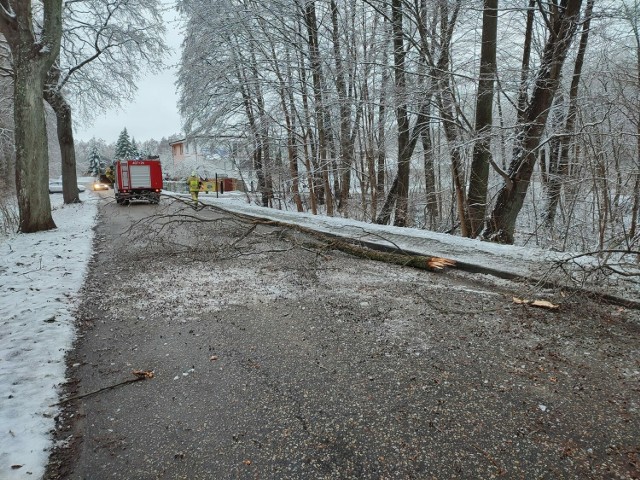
point(123, 145)
point(96, 165)
point(133, 149)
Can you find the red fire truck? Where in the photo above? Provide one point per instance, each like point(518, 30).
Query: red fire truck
point(139, 179)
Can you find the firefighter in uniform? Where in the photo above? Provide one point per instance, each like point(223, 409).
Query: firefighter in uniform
point(194, 187)
point(110, 174)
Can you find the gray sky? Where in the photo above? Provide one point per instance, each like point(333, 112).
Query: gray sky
point(154, 111)
point(153, 114)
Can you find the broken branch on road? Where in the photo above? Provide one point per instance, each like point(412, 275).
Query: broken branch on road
point(536, 303)
point(138, 376)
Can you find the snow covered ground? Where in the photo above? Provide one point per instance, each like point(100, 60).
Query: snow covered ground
point(40, 275)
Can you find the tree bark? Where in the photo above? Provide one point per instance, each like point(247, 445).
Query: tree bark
point(346, 141)
point(307, 134)
point(450, 131)
point(447, 109)
point(381, 147)
point(402, 118)
point(559, 174)
point(523, 94)
point(501, 225)
point(64, 129)
point(258, 162)
point(293, 150)
point(384, 217)
point(320, 114)
point(479, 178)
point(32, 59)
point(32, 156)
point(429, 178)
point(635, 210)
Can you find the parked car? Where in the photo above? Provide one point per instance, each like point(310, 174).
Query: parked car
point(55, 186)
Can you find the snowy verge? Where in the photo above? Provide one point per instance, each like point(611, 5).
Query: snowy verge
point(40, 275)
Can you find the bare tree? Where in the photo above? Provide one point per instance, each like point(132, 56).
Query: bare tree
point(437, 67)
point(105, 46)
point(33, 52)
point(559, 158)
point(479, 177)
point(311, 23)
point(562, 20)
point(632, 15)
point(347, 130)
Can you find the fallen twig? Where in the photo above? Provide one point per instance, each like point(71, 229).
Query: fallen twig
point(245, 235)
point(138, 376)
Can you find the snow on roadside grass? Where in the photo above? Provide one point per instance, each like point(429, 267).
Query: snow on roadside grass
point(40, 275)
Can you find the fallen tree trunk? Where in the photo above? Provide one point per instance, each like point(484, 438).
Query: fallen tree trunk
point(396, 255)
point(355, 248)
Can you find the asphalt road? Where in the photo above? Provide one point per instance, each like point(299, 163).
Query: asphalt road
point(274, 358)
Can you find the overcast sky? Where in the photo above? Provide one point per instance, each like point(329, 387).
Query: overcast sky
point(154, 111)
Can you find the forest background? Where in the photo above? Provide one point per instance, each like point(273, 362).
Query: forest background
point(511, 121)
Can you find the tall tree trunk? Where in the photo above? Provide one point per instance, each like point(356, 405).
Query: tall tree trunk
point(402, 116)
point(635, 210)
point(314, 179)
point(479, 178)
point(501, 225)
point(446, 103)
point(368, 149)
point(316, 74)
point(523, 93)
point(346, 143)
point(384, 217)
point(603, 213)
point(256, 131)
point(285, 91)
point(381, 147)
point(293, 154)
point(445, 100)
point(429, 178)
point(407, 138)
point(64, 129)
point(262, 131)
point(566, 139)
point(32, 157)
point(32, 59)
